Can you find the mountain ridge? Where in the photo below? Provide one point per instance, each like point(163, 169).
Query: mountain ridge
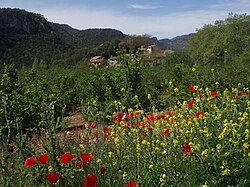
point(176, 43)
point(27, 36)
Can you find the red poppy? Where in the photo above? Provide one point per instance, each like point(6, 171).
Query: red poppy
point(214, 94)
point(119, 117)
point(170, 113)
point(241, 95)
point(30, 162)
point(129, 124)
point(141, 124)
point(244, 94)
point(43, 158)
point(128, 116)
point(187, 148)
point(132, 184)
point(103, 170)
point(92, 124)
point(192, 88)
point(107, 130)
point(95, 132)
point(86, 158)
point(162, 117)
point(53, 177)
point(174, 121)
point(106, 137)
point(191, 104)
point(66, 158)
point(165, 132)
point(90, 181)
point(201, 95)
point(150, 118)
point(199, 114)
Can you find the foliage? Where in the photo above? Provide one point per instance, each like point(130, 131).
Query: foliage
point(132, 43)
point(71, 86)
point(96, 37)
point(202, 140)
point(182, 57)
point(21, 100)
point(224, 41)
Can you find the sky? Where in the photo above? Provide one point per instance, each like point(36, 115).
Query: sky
point(158, 18)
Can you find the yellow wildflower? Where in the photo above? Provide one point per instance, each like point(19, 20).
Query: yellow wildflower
point(226, 171)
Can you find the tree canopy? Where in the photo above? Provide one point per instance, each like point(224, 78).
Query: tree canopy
point(223, 41)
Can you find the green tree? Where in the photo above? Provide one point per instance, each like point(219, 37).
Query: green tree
point(132, 43)
point(223, 41)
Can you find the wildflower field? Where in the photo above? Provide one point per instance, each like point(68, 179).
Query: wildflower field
point(204, 140)
point(160, 130)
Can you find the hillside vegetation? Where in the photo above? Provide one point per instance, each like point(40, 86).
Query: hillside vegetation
point(26, 37)
point(224, 41)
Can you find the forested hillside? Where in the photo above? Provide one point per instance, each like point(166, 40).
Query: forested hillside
point(176, 43)
point(26, 37)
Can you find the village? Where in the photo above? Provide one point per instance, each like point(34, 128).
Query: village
point(151, 55)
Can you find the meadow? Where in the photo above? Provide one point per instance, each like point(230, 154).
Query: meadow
point(175, 124)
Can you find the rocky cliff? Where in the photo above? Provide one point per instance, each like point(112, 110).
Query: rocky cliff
point(16, 21)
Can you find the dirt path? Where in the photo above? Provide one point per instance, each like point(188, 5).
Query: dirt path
point(74, 120)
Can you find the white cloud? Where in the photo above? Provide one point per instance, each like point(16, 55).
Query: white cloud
point(144, 6)
point(164, 26)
